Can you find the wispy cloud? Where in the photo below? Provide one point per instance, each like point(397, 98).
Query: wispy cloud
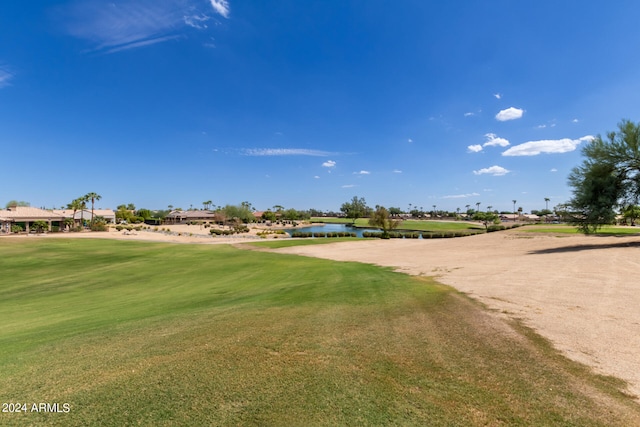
point(476, 148)
point(221, 7)
point(533, 148)
point(362, 173)
point(497, 95)
point(5, 77)
point(493, 170)
point(510, 113)
point(397, 171)
point(461, 196)
point(329, 164)
point(348, 186)
point(283, 152)
point(121, 25)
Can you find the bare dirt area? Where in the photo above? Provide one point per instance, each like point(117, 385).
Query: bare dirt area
point(580, 292)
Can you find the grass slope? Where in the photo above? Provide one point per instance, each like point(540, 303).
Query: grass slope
point(132, 333)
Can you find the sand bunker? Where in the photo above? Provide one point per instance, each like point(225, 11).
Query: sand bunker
point(580, 292)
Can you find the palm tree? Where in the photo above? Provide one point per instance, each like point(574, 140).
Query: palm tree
point(93, 197)
point(477, 206)
point(83, 205)
point(546, 201)
point(170, 207)
point(514, 209)
point(75, 205)
point(489, 208)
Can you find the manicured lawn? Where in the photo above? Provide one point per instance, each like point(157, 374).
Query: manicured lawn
point(567, 229)
point(133, 333)
point(285, 243)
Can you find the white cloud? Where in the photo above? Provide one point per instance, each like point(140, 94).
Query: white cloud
point(493, 140)
point(497, 95)
point(221, 7)
point(196, 21)
point(409, 140)
point(348, 186)
point(533, 148)
point(5, 76)
point(575, 121)
point(553, 170)
point(121, 25)
point(283, 152)
point(461, 196)
point(316, 177)
point(397, 171)
point(469, 114)
point(362, 173)
point(329, 164)
point(493, 170)
point(510, 113)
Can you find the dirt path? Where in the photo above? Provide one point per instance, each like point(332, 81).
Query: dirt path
point(580, 292)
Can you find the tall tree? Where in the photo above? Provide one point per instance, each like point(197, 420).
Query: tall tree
point(355, 209)
point(93, 197)
point(75, 205)
point(607, 179)
point(382, 218)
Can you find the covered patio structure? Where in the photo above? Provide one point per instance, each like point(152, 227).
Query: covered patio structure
point(23, 215)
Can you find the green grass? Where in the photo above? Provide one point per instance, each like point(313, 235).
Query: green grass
point(568, 229)
point(410, 224)
point(285, 243)
point(132, 333)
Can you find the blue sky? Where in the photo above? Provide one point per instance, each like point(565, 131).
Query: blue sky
point(306, 104)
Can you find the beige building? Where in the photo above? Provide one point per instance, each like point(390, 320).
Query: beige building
point(108, 214)
point(25, 216)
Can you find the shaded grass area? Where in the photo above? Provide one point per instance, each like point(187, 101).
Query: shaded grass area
point(410, 224)
point(132, 333)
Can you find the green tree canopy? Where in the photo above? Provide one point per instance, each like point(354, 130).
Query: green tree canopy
point(356, 208)
point(486, 218)
point(381, 218)
point(608, 178)
point(17, 203)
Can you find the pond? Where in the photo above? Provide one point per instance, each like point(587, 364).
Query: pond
point(332, 228)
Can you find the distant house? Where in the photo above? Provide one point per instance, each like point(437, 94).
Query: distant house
point(25, 216)
point(108, 214)
point(178, 217)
